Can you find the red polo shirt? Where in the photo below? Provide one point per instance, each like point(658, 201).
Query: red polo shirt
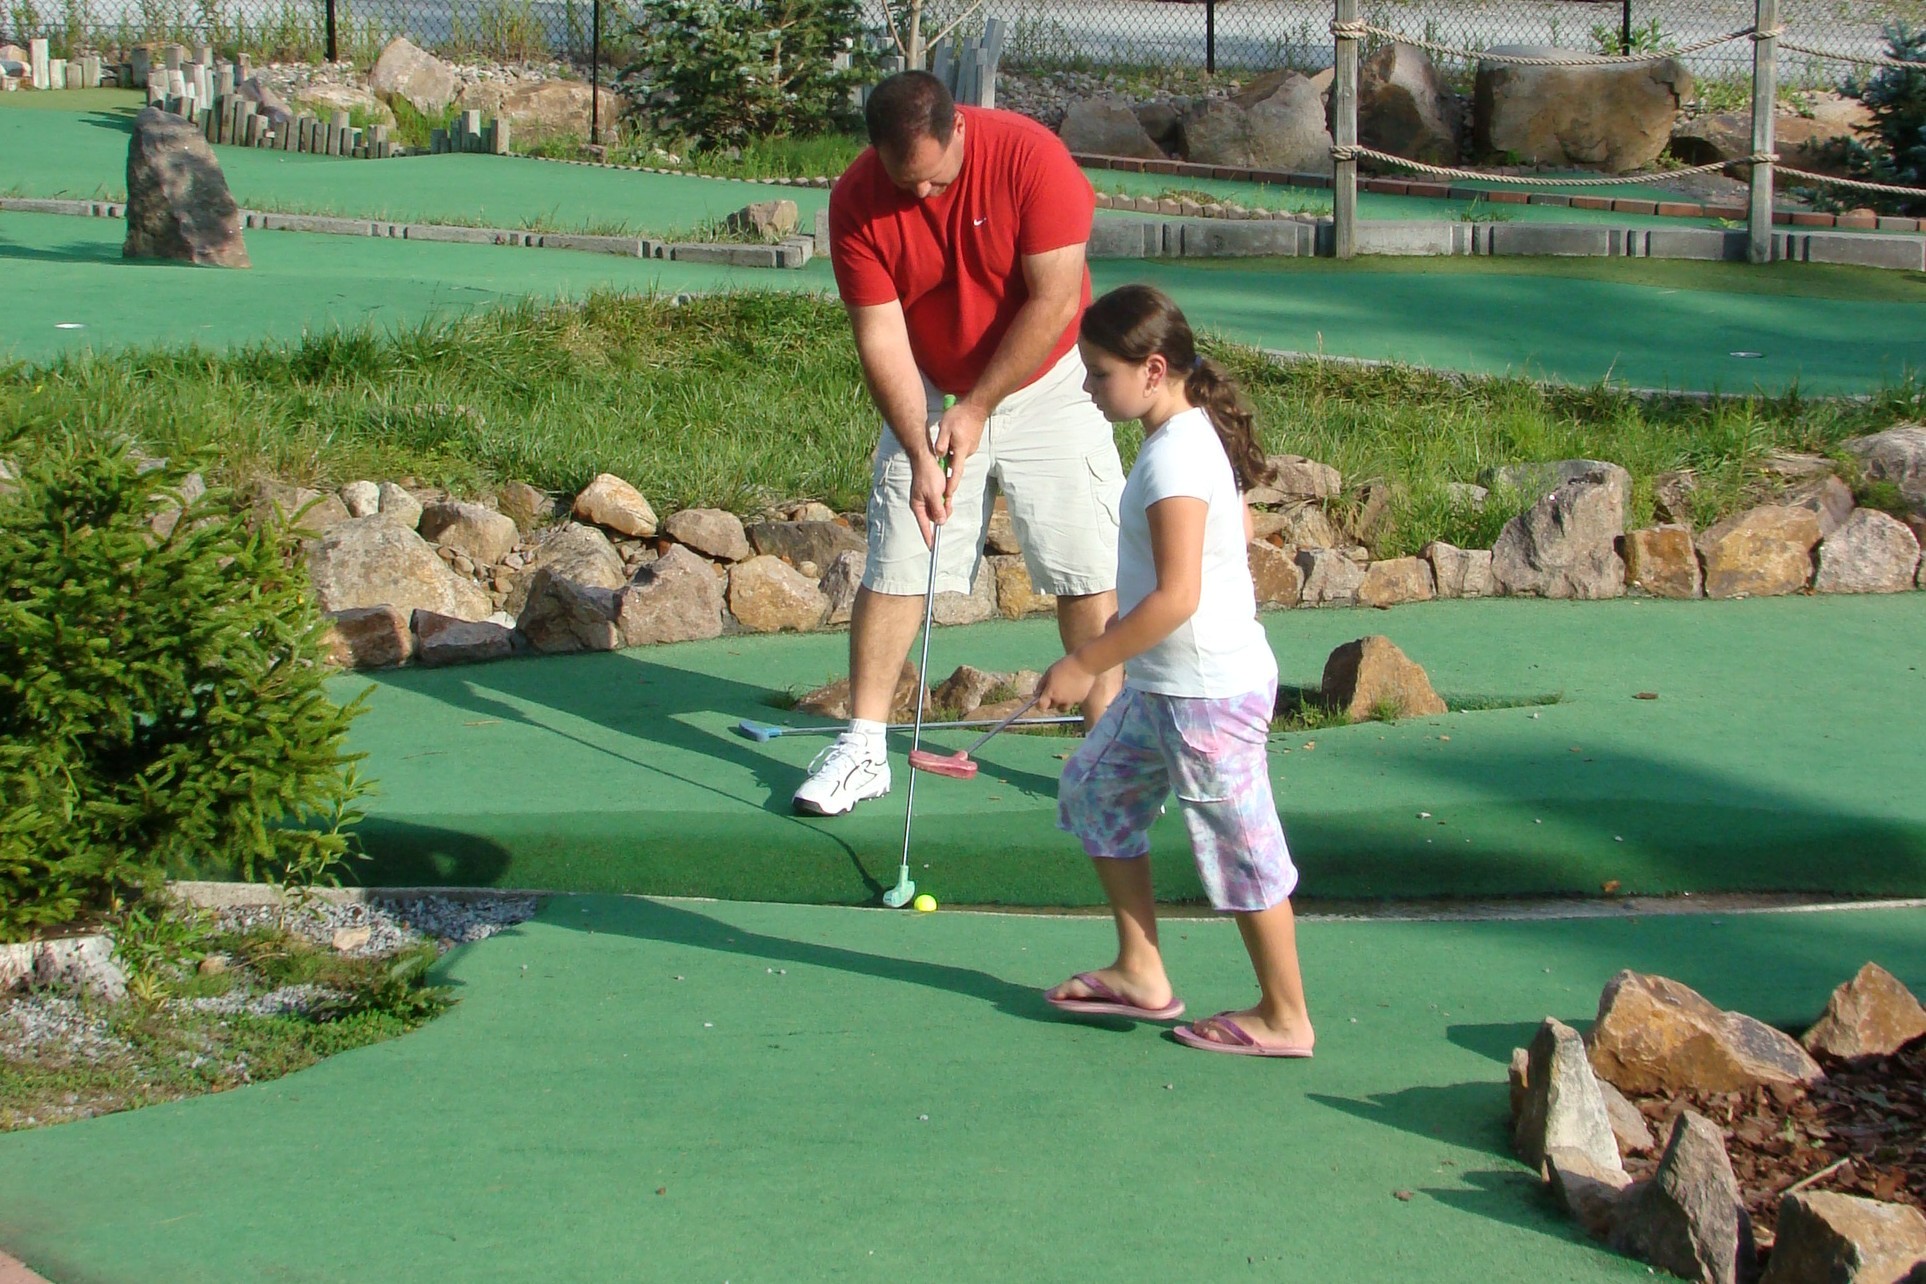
point(954, 259)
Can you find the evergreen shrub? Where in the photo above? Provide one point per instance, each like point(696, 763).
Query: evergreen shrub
point(162, 699)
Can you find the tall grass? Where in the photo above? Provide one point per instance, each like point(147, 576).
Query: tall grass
point(734, 401)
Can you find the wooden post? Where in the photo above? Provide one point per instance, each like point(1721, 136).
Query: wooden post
point(1344, 134)
point(1765, 92)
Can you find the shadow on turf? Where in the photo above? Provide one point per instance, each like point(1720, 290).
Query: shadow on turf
point(75, 252)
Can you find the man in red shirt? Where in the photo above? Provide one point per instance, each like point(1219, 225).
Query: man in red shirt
point(958, 244)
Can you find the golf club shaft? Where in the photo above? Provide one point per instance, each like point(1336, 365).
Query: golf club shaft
point(984, 739)
point(922, 689)
point(769, 731)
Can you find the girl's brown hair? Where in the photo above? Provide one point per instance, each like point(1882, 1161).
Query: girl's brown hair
point(1134, 321)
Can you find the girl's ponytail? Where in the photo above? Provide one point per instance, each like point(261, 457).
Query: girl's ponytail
point(1134, 321)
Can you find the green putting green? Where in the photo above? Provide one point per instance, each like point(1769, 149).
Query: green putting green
point(633, 1089)
point(1779, 755)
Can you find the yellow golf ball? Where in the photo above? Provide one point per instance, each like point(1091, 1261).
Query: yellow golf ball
point(925, 903)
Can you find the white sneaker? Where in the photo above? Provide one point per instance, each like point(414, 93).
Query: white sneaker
point(842, 776)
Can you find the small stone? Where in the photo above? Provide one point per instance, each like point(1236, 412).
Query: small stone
point(398, 505)
point(769, 220)
point(1628, 1125)
point(976, 605)
point(613, 504)
point(832, 701)
point(1872, 1015)
point(347, 940)
point(1371, 676)
point(480, 534)
point(214, 965)
point(361, 498)
point(1000, 539)
point(966, 689)
point(525, 505)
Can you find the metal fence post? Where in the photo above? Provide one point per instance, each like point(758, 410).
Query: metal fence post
point(595, 74)
point(1344, 133)
point(1625, 28)
point(1765, 93)
point(1210, 37)
point(334, 52)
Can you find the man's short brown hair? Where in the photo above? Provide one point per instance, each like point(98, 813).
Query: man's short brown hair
point(906, 107)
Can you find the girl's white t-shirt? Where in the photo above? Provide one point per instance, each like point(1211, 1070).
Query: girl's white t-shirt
point(1220, 650)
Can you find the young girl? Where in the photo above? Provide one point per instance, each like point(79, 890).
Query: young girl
point(1199, 685)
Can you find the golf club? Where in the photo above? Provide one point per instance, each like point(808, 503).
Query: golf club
point(764, 732)
point(959, 764)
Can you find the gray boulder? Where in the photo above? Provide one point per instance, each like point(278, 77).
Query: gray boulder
point(266, 101)
point(1562, 1107)
point(1405, 108)
point(1542, 477)
point(1897, 455)
point(178, 203)
point(1565, 545)
point(814, 542)
point(573, 551)
point(676, 598)
point(976, 605)
point(1614, 118)
point(372, 561)
point(1331, 577)
point(485, 535)
point(1826, 1237)
point(561, 615)
point(443, 639)
point(406, 71)
point(1870, 553)
point(1106, 127)
point(83, 964)
point(1687, 1218)
point(1285, 130)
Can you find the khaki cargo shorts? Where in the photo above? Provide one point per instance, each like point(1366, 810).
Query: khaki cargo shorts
point(1049, 450)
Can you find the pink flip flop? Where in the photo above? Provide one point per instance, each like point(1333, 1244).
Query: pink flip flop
point(1240, 1043)
point(1104, 1001)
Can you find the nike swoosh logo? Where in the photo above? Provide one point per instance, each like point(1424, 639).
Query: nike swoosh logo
point(980, 222)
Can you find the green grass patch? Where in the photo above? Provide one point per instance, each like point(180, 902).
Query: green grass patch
point(735, 401)
point(813, 156)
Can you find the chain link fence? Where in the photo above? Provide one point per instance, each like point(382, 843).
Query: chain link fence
point(1227, 36)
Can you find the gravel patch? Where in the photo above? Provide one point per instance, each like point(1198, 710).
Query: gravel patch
point(47, 1026)
point(289, 1000)
point(390, 925)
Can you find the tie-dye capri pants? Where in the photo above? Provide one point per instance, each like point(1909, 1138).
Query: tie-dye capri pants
point(1211, 752)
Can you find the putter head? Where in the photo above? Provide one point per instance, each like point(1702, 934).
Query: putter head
point(902, 894)
point(758, 731)
point(959, 764)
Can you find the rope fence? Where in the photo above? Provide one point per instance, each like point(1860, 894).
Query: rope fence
point(1359, 30)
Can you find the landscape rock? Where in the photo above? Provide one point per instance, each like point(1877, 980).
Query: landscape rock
point(1296, 479)
point(1164, 123)
point(1404, 107)
point(1763, 552)
point(540, 110)
point(811, 541)
point(369, 637)
point(190, 490)
point(768, 595)
point(1826, 1238)
point(1330, 577)
point(676, 598)
point(82, 964)
point(1628, 1125)
point(840, 584)
point(346, 940)
point(443, 639)
point(1306, 526)
point(1897, 455)
point(398, 504)
point(1687, 1218)
point(1372, 676)
point(405, 71)
point(525, 505)
point(1806, 140)
point(1274, 574)
point(1106, 127)
point(485, 535)
point(372, 561)
point(560, 615)
point(324, 99)
point(1591, 1192)
point(1655, 1035)
point(770, 220)
point(266, 102)
point(1540, 478)
point(999, 535)
point(966, 689)
point(1565, 545)
point(573, 551)
point(360, 498)
point(1396, 581)
point(1562, 1107)
point(712, 532)
point(1661, 561)
point(832, 701)
point(1614, 118)
point(178, 202)
point(1459, 572)
point(974, 606)
point(1869, 553)
point(1672, 496)
point(613, 504)
point(1872, 1015)
point(1466, 495)
point(1016, 594)
point(1285, 130)
point(1829, 498)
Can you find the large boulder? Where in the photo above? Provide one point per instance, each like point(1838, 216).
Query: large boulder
point(561, 615)
point(1459, 572)
point(1897, 455)
point(1284, 131)
point(1559, 1103)
point(1762, 552)
point(1872, 1015)
point(369, 637)
point(178, 202)
point(712, 532)
point(573, 551)
point(1106, 127)
point(1396, 581)
point(1655, 1035)
point(1565, 545)
point(1688, 1218)
point(1870, 553)
point(406, 71)
point(1372, 676)
point(1808, 140)
point(1538, 478)
point(1615, 118)
point(768, 595)
point(483, 534)
point(1823, 1237)
point(815, 542)
point(1661, 561)
point(1331, 577)
point(1405, 108)
point(442, 639)
point(676, 598)
point(374, 561)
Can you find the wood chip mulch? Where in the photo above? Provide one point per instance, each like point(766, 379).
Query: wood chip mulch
point(1869, 1112)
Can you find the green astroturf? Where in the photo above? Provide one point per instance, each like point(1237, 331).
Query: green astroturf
point(1781, 754)
point(691, 1091)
